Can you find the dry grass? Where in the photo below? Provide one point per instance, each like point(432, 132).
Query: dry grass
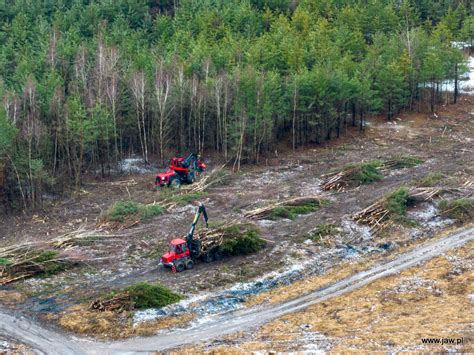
point(391, 314)
point(298, 288)
point(381, 317)
point(81, 320)
point(11, 298)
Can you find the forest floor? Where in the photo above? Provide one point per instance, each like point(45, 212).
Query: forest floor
point(444, 142)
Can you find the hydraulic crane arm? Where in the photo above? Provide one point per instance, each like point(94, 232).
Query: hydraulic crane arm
point(201, 210)
point(190, 160)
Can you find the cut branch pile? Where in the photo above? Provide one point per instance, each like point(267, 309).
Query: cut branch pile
point(379, 212)
point(365, 172)
point(119, 303)
point(24, 263)
point(338, 181)
point(81, 237)
point(215, 176)
point(267, 212)
point(26, 260)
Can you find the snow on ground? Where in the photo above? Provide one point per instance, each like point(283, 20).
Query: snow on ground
point(465, 84)
point(135, 166)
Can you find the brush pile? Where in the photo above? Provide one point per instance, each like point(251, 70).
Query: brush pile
point(364, 173)
point(213, 177)
point(119, 303)
point(287, 209)
point(353, 175)
point(338, 181)
point(21, 263)
point(27, 260)
point(394, 204)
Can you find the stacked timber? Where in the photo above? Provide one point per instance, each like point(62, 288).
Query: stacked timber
point(378, 212)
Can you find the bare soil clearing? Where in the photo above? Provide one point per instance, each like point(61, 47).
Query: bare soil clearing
point(444, 143)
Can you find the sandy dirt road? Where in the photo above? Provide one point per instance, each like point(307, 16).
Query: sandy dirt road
point(51, 342)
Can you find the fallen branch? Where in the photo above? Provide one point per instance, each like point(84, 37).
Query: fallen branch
point(118, 303)
point(30, 259)
point(313, 202)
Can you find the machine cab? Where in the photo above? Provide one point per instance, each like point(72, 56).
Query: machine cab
point(178, 249)
point(177, 164)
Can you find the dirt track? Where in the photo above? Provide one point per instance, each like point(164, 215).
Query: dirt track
point(47, 341)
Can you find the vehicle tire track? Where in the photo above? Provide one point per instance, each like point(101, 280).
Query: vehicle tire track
point(42, 339)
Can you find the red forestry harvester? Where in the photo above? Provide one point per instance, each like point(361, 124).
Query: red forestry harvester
point(181, 171)
point(182, 252)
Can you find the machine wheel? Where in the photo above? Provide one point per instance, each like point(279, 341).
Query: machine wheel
point(208, 258)
point(191, 178)
point(175, 183)
point(195, 248)
point(217, 255)
point(179, 266)
point(189, 264)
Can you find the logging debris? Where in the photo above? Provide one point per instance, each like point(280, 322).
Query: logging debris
point(18, 262)
point(138, 296)
point(365, 173)
point(394, 204)
point(289, 208)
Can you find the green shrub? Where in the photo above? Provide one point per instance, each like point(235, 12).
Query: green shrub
point(242, 239)
point(4, 261)
point(365, 173)
point(146, 295)
point(461, 209)
point(50, 266)
point(432, 179)
point(291, 212)
point(46, 255)
point(398, 201)
point(123, 210)
point(322, 230)
point(407, 161)
point(149, 211)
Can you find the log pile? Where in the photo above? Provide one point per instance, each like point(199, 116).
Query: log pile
point(266, 211)
point(338, 181)
point(210, 238)
point(377, 213)
point(373, 215)
point(119, 303)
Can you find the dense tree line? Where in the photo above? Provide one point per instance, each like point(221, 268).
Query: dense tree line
point(85, 83)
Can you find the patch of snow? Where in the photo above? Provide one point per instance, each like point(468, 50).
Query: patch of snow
point(267, 177)
point(427, 215)
point(414, 283)
point(465, 85)
point(210, 305)
point(356, 230)
point(310, 188)
point(265, 222)
point(135, 166)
